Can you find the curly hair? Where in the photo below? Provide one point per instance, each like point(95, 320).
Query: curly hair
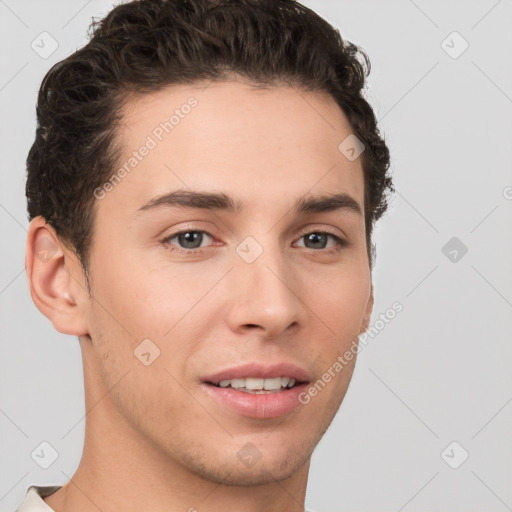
point(143, 46)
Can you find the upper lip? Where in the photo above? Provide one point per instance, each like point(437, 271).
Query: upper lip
point(259, 370)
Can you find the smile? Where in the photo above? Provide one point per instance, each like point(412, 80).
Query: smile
point(259, 385)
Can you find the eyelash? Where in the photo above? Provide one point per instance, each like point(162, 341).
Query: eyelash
point(340, 241)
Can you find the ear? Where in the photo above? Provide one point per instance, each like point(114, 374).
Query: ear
point(56, 279)
point(368, 313)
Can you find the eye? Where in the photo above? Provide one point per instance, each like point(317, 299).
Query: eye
point(189, 240)
point(319, 239)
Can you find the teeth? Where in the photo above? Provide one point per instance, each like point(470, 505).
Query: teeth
point(238, 383)
point(255, 383)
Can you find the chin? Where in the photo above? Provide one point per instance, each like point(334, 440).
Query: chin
point(265, 467)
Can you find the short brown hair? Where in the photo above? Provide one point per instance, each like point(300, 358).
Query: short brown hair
point(144, 46)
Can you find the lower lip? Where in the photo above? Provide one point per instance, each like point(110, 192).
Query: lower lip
point(262, 406)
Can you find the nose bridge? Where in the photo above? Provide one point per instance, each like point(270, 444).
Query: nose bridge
point(265, 287)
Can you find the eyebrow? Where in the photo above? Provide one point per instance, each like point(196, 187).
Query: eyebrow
point(221, 201)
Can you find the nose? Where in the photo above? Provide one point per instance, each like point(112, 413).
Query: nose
point(264, 295)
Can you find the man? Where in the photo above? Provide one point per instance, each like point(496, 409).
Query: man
point(202, 191)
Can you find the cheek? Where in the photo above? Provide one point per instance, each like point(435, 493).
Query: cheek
point(163, 312)
point(147, 302)
point(340, 300)
point(140, 367)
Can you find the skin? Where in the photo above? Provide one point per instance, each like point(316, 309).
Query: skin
point(154, 439)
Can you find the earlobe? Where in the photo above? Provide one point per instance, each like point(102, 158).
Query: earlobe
point(55, 279)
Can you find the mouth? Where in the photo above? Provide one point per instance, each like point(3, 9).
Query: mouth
point(258, 391)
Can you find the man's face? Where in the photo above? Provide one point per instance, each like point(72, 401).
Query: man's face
point(262, 285)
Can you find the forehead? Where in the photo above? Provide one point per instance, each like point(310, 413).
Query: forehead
point(252, 143)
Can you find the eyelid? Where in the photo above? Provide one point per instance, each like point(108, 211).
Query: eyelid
point(324, 230)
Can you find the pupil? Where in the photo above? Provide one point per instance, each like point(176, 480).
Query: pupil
point(185, 239)
point(314, 237)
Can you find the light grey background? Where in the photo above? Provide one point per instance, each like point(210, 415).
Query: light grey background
point(439, 372)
